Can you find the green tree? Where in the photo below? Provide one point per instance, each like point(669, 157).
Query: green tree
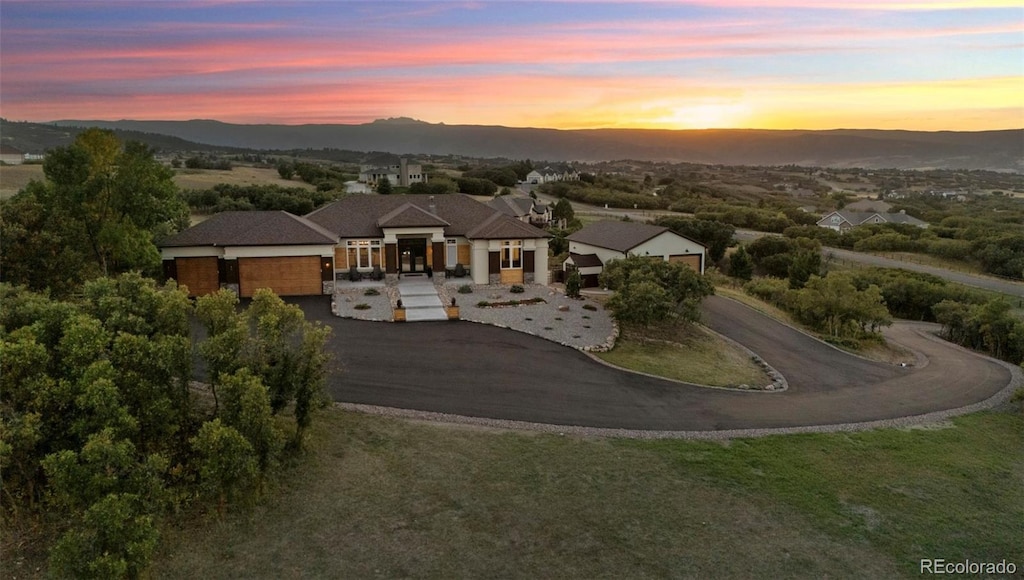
point(114, 539)
point(285, 170)
point(562, 210)
point(247, 409)
point(384, 186)
point(573, 284)
point(680, 287)
point(227, 462)
point(740, 264)
point(106, 201)
point(805, 263)
point(834, 304)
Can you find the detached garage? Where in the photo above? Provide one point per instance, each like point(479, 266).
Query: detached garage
point(246, 251)
point(595, 245)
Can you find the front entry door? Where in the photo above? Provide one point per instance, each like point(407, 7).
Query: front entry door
point(412, 255)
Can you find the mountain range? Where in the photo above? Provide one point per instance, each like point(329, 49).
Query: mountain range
point(992, 150)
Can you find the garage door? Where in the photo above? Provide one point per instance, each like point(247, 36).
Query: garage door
point(691, 260)
point(294, 276)
point(199, 274)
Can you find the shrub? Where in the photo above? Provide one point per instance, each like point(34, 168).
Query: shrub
point(573, 284)
point(590, 307)
point(371, 292)
point(517, 289)
point(465, 289)
point(362, 306)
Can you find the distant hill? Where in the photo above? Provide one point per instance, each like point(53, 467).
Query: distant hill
point(992, 150)
point(38, 137)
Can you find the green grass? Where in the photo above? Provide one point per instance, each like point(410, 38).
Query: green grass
point(697, 357)
point(384, 498)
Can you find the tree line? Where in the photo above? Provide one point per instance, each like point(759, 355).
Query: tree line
point(104, 433)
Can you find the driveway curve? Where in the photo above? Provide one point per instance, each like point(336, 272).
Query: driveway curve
point(463, 368)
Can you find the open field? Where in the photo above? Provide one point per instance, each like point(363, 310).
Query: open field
point(15, 177)
point(389, 498)
point(240, 175)
point(694, 356)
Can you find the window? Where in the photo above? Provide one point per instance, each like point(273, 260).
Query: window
point(451, 253)
point(512, 255)
point(364, 253)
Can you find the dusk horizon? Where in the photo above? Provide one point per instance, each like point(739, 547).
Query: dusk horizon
point(736, 64)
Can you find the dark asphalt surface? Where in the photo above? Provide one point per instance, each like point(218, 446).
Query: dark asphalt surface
point(482, 371)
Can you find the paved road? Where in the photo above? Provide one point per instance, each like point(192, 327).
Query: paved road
point(988, 283)
point(482, 371)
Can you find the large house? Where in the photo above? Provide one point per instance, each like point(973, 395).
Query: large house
point(392, 235)
point(402, 175)
point(599, 243)
point(842, 220)
point(557, 172)
point(524, 209)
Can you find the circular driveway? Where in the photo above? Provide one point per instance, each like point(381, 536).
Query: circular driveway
point(469, 369)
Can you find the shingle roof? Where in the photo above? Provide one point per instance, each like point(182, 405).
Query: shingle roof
point(859, 217)
point(501, 226)
point(253, 228)
point(511, 205)
point(616, 235)
point(407, 216)
point(586, 260)
point(356, 216)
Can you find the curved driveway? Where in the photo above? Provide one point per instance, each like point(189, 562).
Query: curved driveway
point(482, 371)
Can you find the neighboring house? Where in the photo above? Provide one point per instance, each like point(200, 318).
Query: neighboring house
point(402, 175)
point(247, 250)
point(550, 173)
point(11, 156)
point(842, 220)
point(524, 209)
point(395, 234)
point(595, 245)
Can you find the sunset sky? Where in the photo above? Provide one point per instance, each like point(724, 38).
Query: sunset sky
point(778, 64)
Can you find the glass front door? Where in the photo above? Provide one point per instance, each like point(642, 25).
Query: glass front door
point(412, 255)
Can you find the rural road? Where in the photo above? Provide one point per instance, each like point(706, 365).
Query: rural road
point(482, 371)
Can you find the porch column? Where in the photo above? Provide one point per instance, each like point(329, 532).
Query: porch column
point(391, 258)
point(540, 262)
point(438, 257)
point(478, 267)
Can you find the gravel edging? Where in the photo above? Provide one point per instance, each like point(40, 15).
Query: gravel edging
point(806, 333)
point(1016, 382)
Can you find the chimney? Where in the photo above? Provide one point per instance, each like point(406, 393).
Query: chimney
point(903, 211)
point(433, 208)
point(403, 173)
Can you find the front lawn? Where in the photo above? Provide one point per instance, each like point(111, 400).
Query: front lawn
point(384, 498)
point(687, 353)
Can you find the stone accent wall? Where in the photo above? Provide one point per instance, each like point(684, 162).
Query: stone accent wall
point(494, 279)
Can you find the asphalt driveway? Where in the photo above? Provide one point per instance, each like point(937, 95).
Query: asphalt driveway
point(482, 371)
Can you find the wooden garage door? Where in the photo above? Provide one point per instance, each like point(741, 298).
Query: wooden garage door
point(199, 274)
point(691, 260)
point(293, 276)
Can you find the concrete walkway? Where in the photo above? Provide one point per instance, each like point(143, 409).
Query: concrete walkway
point(419, 296)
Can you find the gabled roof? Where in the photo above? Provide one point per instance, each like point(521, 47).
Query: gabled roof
point(618, 235)
point(859, 217)
point(512, 205)
point(501, 226)
point(253, 228)
point(355, 216)
point(586, 260)
point(408, 216)
point(8, 150)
